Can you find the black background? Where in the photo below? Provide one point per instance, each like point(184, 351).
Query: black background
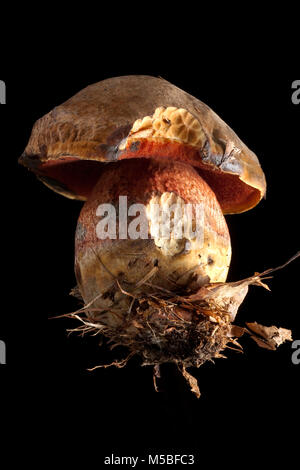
point(249, 401)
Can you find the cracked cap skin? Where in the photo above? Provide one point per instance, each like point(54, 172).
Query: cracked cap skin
point(141, 116)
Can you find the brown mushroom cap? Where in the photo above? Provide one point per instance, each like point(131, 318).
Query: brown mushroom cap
point(131, 117)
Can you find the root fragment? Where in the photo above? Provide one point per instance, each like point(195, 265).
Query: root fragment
point(120, 364)
point(156, 375)
point(190, 380)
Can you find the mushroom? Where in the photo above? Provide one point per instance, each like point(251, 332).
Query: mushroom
point(145, 140)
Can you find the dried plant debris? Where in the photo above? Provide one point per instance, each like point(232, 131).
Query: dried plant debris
point(191, 381)
point(269, 337)
point(188, 330)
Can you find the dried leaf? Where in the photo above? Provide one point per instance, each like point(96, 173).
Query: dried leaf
point(237, 331)
point(226, 296)
point(269, 337)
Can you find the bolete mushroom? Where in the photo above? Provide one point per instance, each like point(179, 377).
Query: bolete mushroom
point(143, 139)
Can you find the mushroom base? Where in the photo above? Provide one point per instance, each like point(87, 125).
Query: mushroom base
point(165, 330)
point(188, 330)
point(158, 333)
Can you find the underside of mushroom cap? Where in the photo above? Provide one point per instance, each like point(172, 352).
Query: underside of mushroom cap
point(141, 117)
